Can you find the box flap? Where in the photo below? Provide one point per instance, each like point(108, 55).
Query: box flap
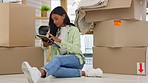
point(113, 4)
point(119, 3)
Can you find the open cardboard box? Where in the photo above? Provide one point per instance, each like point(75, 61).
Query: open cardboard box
point(118, 9)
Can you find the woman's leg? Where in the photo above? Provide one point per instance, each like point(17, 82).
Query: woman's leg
point(64, 72)
point(63, 63)
point(70, 67)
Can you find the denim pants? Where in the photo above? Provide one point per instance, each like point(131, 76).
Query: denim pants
point(64, 66)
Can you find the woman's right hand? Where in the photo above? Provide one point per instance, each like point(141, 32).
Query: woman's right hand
point(47, 43)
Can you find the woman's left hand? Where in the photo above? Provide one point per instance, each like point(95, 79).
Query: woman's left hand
point(55, 38)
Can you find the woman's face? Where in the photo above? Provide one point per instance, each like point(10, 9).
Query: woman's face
point(58, 20)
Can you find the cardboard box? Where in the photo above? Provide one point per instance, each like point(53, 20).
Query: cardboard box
point(126, 60)
point(17, 25)
point(12, 58)
point(48, 55)
point(118, 9)
point(120, 33)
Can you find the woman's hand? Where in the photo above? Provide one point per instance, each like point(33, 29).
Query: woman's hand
point(47, 43)
point(55, 38)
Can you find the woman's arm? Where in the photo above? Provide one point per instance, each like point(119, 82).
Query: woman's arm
point(72, 45)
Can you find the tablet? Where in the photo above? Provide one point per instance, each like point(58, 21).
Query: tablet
point(46, 39)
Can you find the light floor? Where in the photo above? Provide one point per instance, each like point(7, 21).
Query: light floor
point(107, 78)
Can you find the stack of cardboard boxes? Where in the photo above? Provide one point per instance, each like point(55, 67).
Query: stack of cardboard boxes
point(120, 37)
point(17, 38)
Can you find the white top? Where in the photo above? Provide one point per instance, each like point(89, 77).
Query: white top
point(62, 33)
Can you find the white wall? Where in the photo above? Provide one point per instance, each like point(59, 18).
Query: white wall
point(37, 4)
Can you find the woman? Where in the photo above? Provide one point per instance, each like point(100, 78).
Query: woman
point(64, 65)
